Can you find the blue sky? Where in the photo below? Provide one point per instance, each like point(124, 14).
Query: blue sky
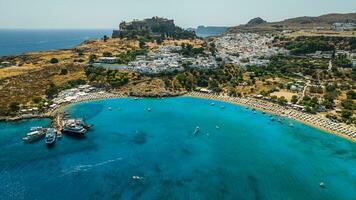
point(71, 14)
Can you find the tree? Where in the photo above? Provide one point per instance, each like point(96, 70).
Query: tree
point(36, 100)
point(105, 38)
point(14, 106)
point(107, 54)
point(274, 97)
point(282, 100)
point(92, 58)
point(141, 44)
point(351, 94)
point(346, 114)
point(294, 99)
point(159, 41)
point(328, 103)
point(64, 71)
point(52, 90)
point(348, 104)
point(54, 60)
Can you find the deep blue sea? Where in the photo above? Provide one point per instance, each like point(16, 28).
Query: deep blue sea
point(247, 157)
point(14, 42)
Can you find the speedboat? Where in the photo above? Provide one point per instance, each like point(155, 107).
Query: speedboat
point(322, 185)
point(33, 136)
point(51, 136)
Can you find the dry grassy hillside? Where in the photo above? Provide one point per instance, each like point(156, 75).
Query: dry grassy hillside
point(31, 73)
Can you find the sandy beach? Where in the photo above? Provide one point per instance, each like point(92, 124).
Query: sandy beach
point(339, 129)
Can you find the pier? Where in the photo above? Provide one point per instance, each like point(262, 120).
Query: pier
point(57, 123)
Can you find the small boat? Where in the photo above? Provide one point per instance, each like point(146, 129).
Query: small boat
point(279, 119)
point(272, 119)
point(135, 98)
point(263, 113)
point(34, 136)
point(217, 127)
point(197, 130)
point(136, 177)
point(51, 136)
point(149, 109)
point(212, 104)
point(290, 125)
point(222, 107)
point(322, 185)
point(109, 108)
point(254, 112)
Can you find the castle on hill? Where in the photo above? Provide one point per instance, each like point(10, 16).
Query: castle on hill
point(152, 27)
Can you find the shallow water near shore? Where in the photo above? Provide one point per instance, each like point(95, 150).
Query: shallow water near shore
point(236, 155)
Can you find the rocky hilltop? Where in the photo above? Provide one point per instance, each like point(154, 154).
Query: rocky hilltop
point(256, 21)
point(320, 22)
point(154, 27)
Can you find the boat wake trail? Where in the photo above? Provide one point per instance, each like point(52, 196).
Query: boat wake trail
point(84, 168)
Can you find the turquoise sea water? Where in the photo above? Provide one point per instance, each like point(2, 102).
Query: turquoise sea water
point(248, 157)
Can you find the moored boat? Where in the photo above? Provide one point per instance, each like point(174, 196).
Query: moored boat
point(75, 127)
point(33, 136)
point(51, 136)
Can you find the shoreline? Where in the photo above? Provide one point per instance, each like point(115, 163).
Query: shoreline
point(311, 120)
point(276, 109)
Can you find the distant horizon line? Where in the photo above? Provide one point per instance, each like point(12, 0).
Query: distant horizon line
point(185, 27)
point(57, 28)
point(49, 29)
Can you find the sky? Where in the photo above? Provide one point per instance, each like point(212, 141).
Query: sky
point(103, 14)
